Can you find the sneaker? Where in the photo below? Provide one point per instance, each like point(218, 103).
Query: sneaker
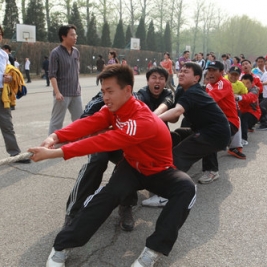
point(244, 142)
point(262, 127)
point(155, 201)
point(126, 218)
point(57, 258)
point(237, 152)
point(208, 177)
point(147, 258)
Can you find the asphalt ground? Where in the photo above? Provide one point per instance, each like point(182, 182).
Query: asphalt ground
point(226, 227)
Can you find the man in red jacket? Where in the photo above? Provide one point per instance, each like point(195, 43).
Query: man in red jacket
point(247, 69)
point(221, 91)
point(147, 164)
point(249, 106)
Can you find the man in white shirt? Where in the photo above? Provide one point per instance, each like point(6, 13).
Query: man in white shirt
point(27, 69)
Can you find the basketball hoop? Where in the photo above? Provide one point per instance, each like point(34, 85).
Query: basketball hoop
point(26, 33)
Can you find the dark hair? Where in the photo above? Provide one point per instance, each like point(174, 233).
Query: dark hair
point(114, 54)
point(260, 57)
point(158, 70)
point(224, 55)
point(100, 56)
point(8, 47)
point(63, 30)
point(123, 74)
point(195, 67)
point(245, 60)
point(168, 54)
point(1, 31)
point(186, 51)
point(247, 77)
point(237, 59)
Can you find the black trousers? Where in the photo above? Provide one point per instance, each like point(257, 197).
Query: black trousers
point(263, 106)
point(90, 178)
point(192, 148)
point(247, 122)
point(47, 78)
point(172, 184)
point(27, 72)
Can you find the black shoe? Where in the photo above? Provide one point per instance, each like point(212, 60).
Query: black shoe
point(262, 127)
point(12, 107)
point(237, 152)
point(126, 218)
point(24, 161)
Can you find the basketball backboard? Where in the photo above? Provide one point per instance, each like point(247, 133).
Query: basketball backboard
point(135, 44)
point(26, 33)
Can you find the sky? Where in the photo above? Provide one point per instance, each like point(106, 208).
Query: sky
point(255, 10)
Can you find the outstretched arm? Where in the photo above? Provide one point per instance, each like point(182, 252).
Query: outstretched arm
point(173, 114)
point(41, 153)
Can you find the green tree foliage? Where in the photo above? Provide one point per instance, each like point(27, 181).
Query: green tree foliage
point(150, 38)
point(35, 16)
point(56, 21)
point(249, 37)
point(75, 19)
point(141, 33)
point(119, 39)
point(167, 39)
point(128, 36)
point(92, 36)
point(105, 38)
point(11, 18)
point(159, 43)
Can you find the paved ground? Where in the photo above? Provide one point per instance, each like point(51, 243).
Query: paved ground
point(226, 227)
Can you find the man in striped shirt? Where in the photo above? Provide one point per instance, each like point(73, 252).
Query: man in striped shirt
point(64, 65)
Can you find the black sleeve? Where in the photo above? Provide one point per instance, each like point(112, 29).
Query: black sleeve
point(11, 60)
point(94, 105)
point(168, 98)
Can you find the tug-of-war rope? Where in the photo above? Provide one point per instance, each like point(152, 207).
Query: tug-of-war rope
point(22, 156)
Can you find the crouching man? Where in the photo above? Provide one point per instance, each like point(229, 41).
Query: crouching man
point(145, 165)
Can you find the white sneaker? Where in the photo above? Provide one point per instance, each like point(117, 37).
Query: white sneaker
point(155, 201)
point(208, 177)
point(57, 258)
point(244, 142)
point(147, 258)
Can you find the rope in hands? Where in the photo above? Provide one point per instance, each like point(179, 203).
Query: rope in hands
point(22, 156)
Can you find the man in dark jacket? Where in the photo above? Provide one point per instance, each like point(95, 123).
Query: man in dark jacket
point(46, 69)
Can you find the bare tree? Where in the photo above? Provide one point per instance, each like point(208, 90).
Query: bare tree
point(160, 12)
point(208, 24)
point(47, 14)
point(180, 22)
point(197, 17)
point(131, 7)
point(23, 9)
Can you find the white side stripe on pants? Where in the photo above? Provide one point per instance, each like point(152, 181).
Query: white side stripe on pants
point(91, 196)
point(191, 204)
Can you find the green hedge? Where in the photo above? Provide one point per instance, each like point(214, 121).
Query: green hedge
point(36, 52)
